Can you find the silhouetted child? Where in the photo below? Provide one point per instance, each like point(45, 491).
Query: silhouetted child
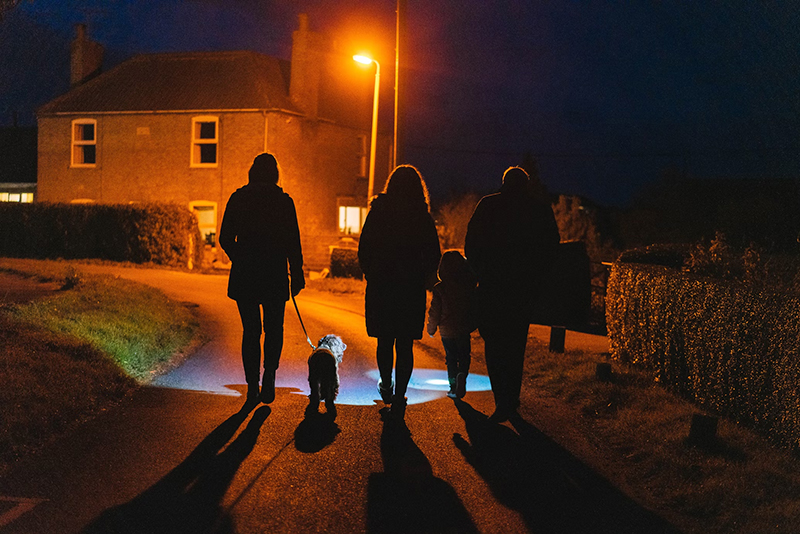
point(452, 312)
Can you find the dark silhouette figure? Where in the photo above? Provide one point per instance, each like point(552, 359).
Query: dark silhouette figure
point(406, 497)
point(398, 253)
point(259, 233)
point(187, 500)
point(551, 489)
point(511, 241)
point(452, 312)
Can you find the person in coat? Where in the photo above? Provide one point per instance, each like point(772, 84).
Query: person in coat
point(260, 235)
point(511, 242)
point(452, 312)
point(398, 253)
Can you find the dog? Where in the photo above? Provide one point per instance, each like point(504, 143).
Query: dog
point(323, 371)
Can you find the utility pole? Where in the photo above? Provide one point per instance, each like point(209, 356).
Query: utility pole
point(398, 155)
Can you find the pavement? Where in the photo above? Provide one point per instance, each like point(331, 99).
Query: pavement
point(185, 455)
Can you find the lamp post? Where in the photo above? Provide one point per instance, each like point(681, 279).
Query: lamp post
point(374, 140)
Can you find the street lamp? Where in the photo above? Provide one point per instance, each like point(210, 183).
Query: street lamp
point(374, 141)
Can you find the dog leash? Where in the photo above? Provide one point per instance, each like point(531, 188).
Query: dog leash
point(301, 324)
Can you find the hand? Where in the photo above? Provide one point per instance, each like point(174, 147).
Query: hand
point(298, 283)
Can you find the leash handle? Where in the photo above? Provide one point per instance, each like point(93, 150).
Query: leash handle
point(301, 323)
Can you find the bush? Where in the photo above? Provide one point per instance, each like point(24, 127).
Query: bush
point(729, 345)
point(165, 234)
point(344, 263)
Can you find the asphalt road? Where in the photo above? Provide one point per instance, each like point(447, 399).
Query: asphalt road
point(182, 456)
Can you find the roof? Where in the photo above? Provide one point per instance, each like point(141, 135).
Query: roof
point(183, 82)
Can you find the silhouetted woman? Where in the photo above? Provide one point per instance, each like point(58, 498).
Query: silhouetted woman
point(399, 254)
point(260, 235)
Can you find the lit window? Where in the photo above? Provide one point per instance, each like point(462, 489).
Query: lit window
point(16, 197)
point(351, 219)
point(362, 156)
point(206, 213)
point(84, 143)
point(205, 140)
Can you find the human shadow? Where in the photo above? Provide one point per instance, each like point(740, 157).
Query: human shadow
point(187, 499)
point(553, 491)
point(317, 430)
point(406, 497)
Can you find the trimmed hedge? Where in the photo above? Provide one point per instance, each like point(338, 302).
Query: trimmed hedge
point(344, 263)
point(138, 233)
point(731, 346)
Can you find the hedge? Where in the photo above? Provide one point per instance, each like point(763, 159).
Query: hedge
point(344, 263)
point(139, 233)
point(730, 346)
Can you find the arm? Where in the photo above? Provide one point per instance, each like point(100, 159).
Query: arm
point(434, 312)
point(294, 252)
point(432, 254)
point(228, 231)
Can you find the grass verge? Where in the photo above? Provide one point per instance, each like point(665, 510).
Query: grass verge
point(69, 355)
point(742, 483)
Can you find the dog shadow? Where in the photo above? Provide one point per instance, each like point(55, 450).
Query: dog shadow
point(188, 499)
point(317, 430)
point(552, 490)
point(406, 496)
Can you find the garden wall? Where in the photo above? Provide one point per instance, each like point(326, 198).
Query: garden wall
point(730, 346)
point(165, 234)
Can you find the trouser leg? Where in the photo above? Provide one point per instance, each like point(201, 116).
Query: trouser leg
point(404, 365)
point(273, 334)
point(451, 359)
point(385, 357)
point(250, 313)
point(517, 341)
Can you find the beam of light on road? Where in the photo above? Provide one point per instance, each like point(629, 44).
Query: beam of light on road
point(425, 385)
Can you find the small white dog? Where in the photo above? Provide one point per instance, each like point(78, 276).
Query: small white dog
point(323, 370)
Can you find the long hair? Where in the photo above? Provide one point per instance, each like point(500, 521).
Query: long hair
point(264, 169)
point(407, 186)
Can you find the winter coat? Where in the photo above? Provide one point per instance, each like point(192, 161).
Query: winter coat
point(259, 233)
point(511, 242)
point(398, 253)
point(452, 308)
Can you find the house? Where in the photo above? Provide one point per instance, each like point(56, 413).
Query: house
point(185, 127)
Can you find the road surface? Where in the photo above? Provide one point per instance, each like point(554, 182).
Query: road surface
point(182, 456)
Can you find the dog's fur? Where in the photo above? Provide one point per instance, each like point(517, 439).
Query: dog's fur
point(323, 369)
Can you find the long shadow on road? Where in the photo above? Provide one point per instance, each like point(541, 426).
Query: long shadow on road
point(187, 499)
point(406, 497)
point(551, 489)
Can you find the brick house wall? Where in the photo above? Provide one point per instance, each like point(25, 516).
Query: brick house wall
point(145, 157)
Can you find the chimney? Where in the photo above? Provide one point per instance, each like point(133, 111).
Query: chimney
point(307, 64)
point(86, 57)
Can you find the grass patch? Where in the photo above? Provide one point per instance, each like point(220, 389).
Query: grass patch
point(136, 325)
point(744, 484)
point(51, 382)
point(68, 356)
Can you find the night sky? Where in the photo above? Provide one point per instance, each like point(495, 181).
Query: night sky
point(606, 96)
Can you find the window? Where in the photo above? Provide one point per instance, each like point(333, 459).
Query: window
point(351, 219)
point(205, 140)
point(206, 213)
point(84, 143)
point(16, 197)
point(363, 153)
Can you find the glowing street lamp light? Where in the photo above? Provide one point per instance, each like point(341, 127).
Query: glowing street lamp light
point(374, 141)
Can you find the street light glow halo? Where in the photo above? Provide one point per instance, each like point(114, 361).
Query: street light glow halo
point(363, 59)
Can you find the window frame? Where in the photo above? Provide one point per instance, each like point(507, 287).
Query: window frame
point(342, 207)
point(195, 156)
point(193, 206)
point(78, 145)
